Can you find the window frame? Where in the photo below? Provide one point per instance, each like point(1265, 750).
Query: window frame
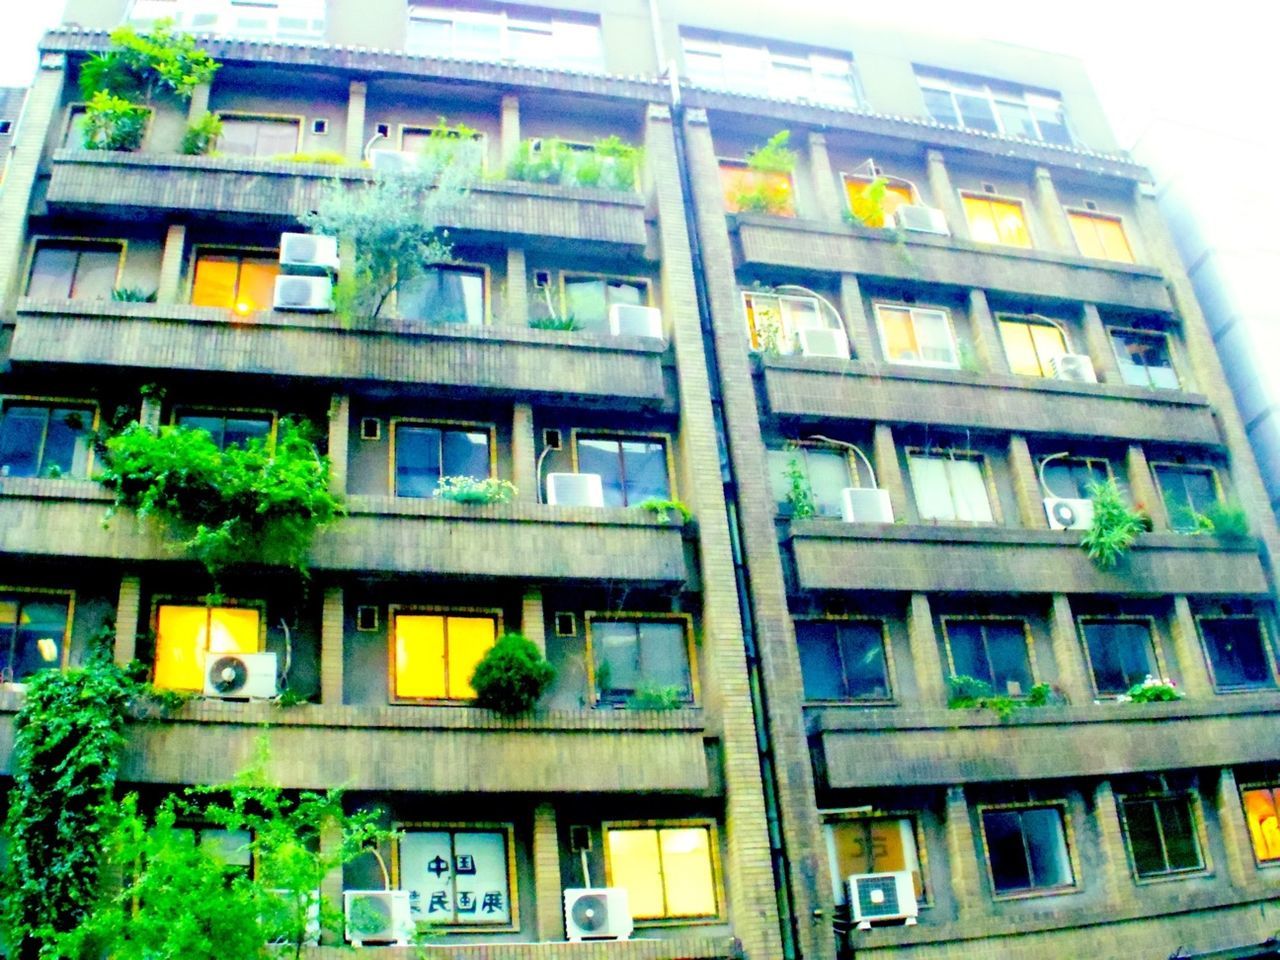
point(1218, 491)
point(891, 183)
point(1027, 636)
point(886, 646)
point(590, 617)
point(19, 399)
point(713, 848)
point(394, 610)
point(82, 107)
point(1198, 833)
point(1118, 218)
point(829, 818)
point(486, 318)
point(506, 19)
point(911, 308)
point(226, 413)
point(1273, 786)
point(184, 600)
point(811, 59)
point(68, 631)
point(994, 95)
point(789, 335)
point(757, 177)
point(457, 826)
point(852, 464)
point(461, 426)
point(1183, 385)
point(1068, 839)
point(55, 240)
point(957, 453)
point(1268, 652)
point(1153, 636)
point(566, 276)
point(1018, 202)
point(226, 250)
point(1030, 320)
point(249, 115)
point(577, 433)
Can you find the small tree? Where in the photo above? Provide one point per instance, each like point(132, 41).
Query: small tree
point(511, 677)
point(1114, 527)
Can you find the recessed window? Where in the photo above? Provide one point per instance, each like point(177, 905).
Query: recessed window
point(1121, 653)
point(382, 129)
point(227, 428)
point(1188, 491)
point(632, 469)
point(1073, 477)
point(320, 126)
point(991, 107)
point(756, 191)
point(993, 220)
point(458, 877)
point(1100, 236)
point(1237, 651)
point(588, 299)
point(185, 636)
point(896, 194)
point(826, 469)
point(242, 281)
point(74, 270)
point(435, 654)
point(551, 439)
point(1030, 343)
point(1027, 849)
point(774, 320)
point(426, 453)
point(750, 66)
point(366, 618)
point(1162, 835)
point(518, 35)
point(1144, 359)
point(920, 336)
point(45, 440)
point(635, 655)
point(997, 652)
point(566, 625)
point(370, 428)
point(1262, 814)
point(6, 126)
point(448, 294)
point(668, 871)
point(950, 487)
point(260, 137)
point(34, 631)
point(843, 659)
point(875, 844)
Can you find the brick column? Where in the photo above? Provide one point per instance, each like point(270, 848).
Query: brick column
point(149, 411)
point(168, 290)
point(944, 195)
point(1142, 487)
point(826, 199)
point(524, 453)
point(198, 106)
point(986, 338)
point(515, 300)
point(962, 854)
point(926, 660)
point(1242, 868)
point(1026, 484)
point(332, 624)
point(888, 470)
point(1065, 641)
point(339, 442)
point(331, 885)
point(127, 610)
point(856, 322)
point(357, 96)
point(1115, 861)
point(532, 621)
point(548, 891)
point(1052, 215)
point(510, 141)
point(1187, 652)
point(1097, 344)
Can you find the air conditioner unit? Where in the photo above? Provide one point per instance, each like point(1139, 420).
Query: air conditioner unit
point(394, 161)
point(629, 320)
point(575, 490)
point(241, 676)
point(280, 917)
point(866, 505)
point(309, 253)
point(1068, 513)
point(882, 896)
point(824, 342)
point(377, 916)
point(921, 219)
point(311, 294)
point(1072, 366)
point(597, 914)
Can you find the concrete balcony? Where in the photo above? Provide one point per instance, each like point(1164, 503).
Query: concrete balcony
point(833, 555)
point(495, 361)
point(809, 388)
point(809, 245)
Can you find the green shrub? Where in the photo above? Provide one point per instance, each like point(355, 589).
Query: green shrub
point(132, 295)
point(511, 677)
point(1228, 521)
point(1114, 527)
point(662, 509)
point(554, 323)
point(650, 696)
point(970, 693)
point(464, 489)
point(113, 123)
point(799, 490)
point(202, 136)
point(775, 156)
point(610, 164)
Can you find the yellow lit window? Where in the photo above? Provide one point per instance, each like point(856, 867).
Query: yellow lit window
point(996, 221)
point(186, 635)
point(435, 654)
point(667, 871)
point(1029, 343)
point(756, 191)
point(896, 193)
point(1262, 811)
point(240, 282)
point(1100, 236)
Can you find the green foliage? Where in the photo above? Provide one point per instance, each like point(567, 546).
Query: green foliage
point(139, 66)
point(1114, 528)
point(867, 207)
point(775, 156)
point(259, 502)
point(799, 490)
point(650, 696)
point(1153, 690)
point(1227, 520)
point(511, 677)
point(113, 123)
point(970, 693)
point(662, 509)
point(323, 157)
point(133, 295)
point(202, 136)
point(609, 164)
point(464, 489)
point(565, 323)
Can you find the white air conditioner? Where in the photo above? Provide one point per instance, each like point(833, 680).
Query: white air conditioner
point(311, 294)
point(597, 914)
point(240, 676)
point(394, 161)
point(629, 320)
point(280, 917)
point(921, 219)
point(824, 342)
point(865, 505)
point(377, 916)
point(1066, 513)
point(308, 253)
point(575, 490)
point(1076, 367)
point(882, 896)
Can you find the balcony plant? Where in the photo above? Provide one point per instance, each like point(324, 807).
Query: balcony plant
point(666, 510)
point(114, 123)
point(609, 163)
point(648, 696)
point(1228, 521)
point(202, 136)
point(799, 490)
point(1114, 528)
point(464, 489)
point(1152, 690)
point(511, 677)
point(970, 693)
point(765, 185)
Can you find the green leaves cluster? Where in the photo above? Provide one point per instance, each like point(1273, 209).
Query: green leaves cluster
point(202, 136)
point(662, 509)
point(799, 490)
point(970, 693)
point(511, 677)
point(464, 489)
point(775, 156)
point(661, 697)
point(1114, 528)
point(113, 123)
point(610, 163)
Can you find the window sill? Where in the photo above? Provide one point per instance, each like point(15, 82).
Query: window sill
point(1036, 894)
point(1171, 877)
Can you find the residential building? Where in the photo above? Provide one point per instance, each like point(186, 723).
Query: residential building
point(10, 112)
point(885, 415)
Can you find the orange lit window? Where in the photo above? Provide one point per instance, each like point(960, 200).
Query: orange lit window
point(1262, 811)
point(996, 221)
point(186, 635)
point(435, 654)
point(896, 193)
point(668, 872)
point(1100, 236)
point(756, 191)
point(1029, 343)
point(243, 282)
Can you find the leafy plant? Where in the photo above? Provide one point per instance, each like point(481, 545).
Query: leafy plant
point(969, 693)
point(464, 489)
point(610, 163)
point(511, 677)
point(867, 206)
point(775, 156)
point(663, 509)
point(1114, 528)
point(202, 136)
point(1228, 521)
point(566, 323)
point(1153, 690)
point(324, 157)
point(113, 123)
point(133, 295)
point(648, 696)
point(799, 490)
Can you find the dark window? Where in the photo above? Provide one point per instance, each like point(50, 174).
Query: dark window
point(631, 471)
point(74, 271)
point(1072, 477)
point(843, 659)
point(6, 126)
point(1162, 835)
point(444, 295)
point(40, 441)
point(940, 106)
point(258, 136)
point(635, 655)
point(994, 651)
point(1027, 849)
point(33, 631)
point(227, 429)
point(1237, 652)
point(1144, 359)
point(425, 454)
point(1187, 492)
point(1120, 654)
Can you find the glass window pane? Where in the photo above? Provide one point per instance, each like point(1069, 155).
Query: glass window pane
point(419, 650)
point(239, 137)
point(934, 336)
point(215, 281)
point(616, 648)
point(969, 490)
point(940, 106)
point(929, 482)
point(664, 656)
point(898, 334)
point(1046, 847)
point(1052, 121)
point(1120, 654)
point(277, 137)
point(820, 665)
point(66, 447)
point(1115, 245)
point(828, 476)
point(862, 647)
point(22, 433)
point(1049, 342)
point(779, 462)
point(1085, 230)
point(1237, 653)
point(635, 865)
point(1018, 347)
point(586, 302)
point(182, 637)
point(1016, 120)
point(982, 221)
point(1144, 837)
point(1181, 845)
point(1263, 816)
point(38, 637)
point(466, 454)
point(1006, 852)
point(211, 424)
point(1010, 224)
point(645, 462)
point(976, 113)
point(233, 630)
point(1010, 662)
point(417, 461)
point(968, 651)
point(52, 272)
point(604, 457)
point(96, 271)
point(469, 639)
point(240, 430)
point(257, 286)
point(686, 872)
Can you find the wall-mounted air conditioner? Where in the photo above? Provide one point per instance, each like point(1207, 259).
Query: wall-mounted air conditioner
point(240, 676)
point(1067, 513)
point(921, 219)
point(824, 342)
point(377, 916)
point(308, 253)
point(575, 490)
point(865, 505)
point(597, 914)
point(309, 294)
point(629, 320)
point(394, 161)
point(880, 897)
point(1076, 367)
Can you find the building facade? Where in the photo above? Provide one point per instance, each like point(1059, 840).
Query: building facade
point(866, 409)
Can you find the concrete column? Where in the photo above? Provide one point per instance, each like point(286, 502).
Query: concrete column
point(1065, 641)
point(926, 660)
point(524, 453)
point(962, 854)
point(332, 628)
point(1026, 484)
point(1115, 861)
point(339, 442)
point(357, 96)
point(510, 141)
point(1052, 215)
point(856, 322)
point(986, 338)
point(532, 620)
point(1187, 651)
point(169, 288)
point(1242, 868)
point(515, 301)
point(198, 106)
point(127, 610)
point(888, 470)
point(1142, 487)
point(944, 195)
point(826, 198)
point(149, 411)
point(1097, 344)
point(548, 891)
point(331, 884)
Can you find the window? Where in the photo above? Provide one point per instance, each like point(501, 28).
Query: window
point(1262, 813)
point(1237, 651)
point(632, 469)
point(6, 127)
point(459, 877)
point(34, 631)
point(1144, 359)
point(950, 487)
point(450, 147)
point(74, 134)
point(896, 193)
point(45, 440)
point(1073, 477)
point(300, 20)
point(751, 67)
point(756, 191)
point(520, 35)
point(227, 428)
point(992, 220)
point(878, 844)
point(436, 653)
point(588, 299)
point(634, 654)
point(1161, 832)
point(1030, 342)
point(243, 281)
point(1100, 236)
point(1026, 849)
point(843, 659)
point(916, 335)
point(669, 871)
point(1121, 653)
point(997, 652)
point(231, 848)
point(444, 295)
point(74, 270)
point(976, 104)
point(185, 636)
point(425, 453)
point(1187, 491)
point(774, 320)
point(826, 468)
point(261, 137)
